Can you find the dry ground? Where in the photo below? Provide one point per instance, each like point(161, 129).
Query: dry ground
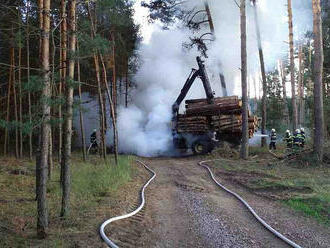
point(184, 207)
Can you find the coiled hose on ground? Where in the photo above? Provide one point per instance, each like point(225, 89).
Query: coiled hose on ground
point(272, 230)
point(104, 224)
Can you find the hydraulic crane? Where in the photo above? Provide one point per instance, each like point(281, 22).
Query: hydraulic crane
point(199, 143)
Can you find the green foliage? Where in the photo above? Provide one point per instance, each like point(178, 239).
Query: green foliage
point(313, 207)
point(275, 103)
point(34, 84)
point(91, 180)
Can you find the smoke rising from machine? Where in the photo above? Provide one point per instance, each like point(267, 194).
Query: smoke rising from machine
point(144, 127)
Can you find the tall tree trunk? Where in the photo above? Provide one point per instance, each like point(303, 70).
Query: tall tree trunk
point(285, 99)
point(211, 26)
point(99, 87)
point(63, 58)
point(28, 79)
point(20, 94)
point(126, 85)
point(318, 73)
point(292, 67)
point(255, 95)
point(82, 129)
point(41, 21)
point(50, 154)
point(209, 16)
point(66, 156)
point(114, 78)
point(112, 112)
point(263, 76)
point(10, 83)
point(42, 161)
point(15, 112)
point(300, 88)
point(101, 105)
point(244, 152)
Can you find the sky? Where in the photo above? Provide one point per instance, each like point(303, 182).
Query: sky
point(141, 18)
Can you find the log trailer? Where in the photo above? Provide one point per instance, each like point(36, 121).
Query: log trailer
point(207, 121)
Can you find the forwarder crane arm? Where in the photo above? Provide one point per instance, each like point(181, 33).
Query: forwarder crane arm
point(201, 73)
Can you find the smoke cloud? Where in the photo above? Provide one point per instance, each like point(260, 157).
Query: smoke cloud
point(144, 127)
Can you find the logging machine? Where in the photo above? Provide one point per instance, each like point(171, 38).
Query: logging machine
point(199, 143)
point(207, 121)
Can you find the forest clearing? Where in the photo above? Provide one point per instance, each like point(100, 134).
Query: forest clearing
point(164, 123)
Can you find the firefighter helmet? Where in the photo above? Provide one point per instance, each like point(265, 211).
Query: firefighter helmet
point(273, 130)
point(297, 131)
point(302, 129)
point(287, 131)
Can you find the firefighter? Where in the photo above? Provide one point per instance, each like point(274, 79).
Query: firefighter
point(288, 138)
point(93, 140)
point(273, 138)
point(297, 139)
point(303, 137)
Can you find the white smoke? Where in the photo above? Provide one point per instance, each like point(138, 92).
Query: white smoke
point(144, 127)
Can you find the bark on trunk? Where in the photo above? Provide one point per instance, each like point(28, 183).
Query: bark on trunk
point(15, 111)
point(63, 58)
point(10, 82)
point(50, 155)
point(301, 88)
point(245, 129)
point(209, 16)
point(81, 116)
point(42, 161)
point(99, 87)
point(318, 71)
point(28, 79)
point(285, 99)
point(292, 67)
point(114, 78)
point(112, 112)
point(126, 85)
point(20, 97)
point(67, 134)
point(263, 76)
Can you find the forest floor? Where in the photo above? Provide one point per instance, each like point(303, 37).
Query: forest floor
point(98, 192)
point(184, 208)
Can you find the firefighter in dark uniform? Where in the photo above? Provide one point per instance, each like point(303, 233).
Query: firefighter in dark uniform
point(303, 137)
point(93, 140)
point(297, 139)
point(273, 138)
point(288, 138)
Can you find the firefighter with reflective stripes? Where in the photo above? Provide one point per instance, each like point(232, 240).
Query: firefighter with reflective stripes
point(297, 139)
point(288, 138)
point(273, 138)
point(303, 137)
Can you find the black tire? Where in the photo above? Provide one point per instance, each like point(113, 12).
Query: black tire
point(200, 147)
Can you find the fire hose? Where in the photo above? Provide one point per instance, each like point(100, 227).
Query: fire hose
point(272, 230)
point(104, 224)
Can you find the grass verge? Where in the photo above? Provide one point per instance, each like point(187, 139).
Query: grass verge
point(305, 189)
point(96, 190)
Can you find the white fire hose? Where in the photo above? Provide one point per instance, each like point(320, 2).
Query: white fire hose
point(104, 237)
point(272, 230)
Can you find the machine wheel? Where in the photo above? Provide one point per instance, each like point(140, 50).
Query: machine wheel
point(200, 147)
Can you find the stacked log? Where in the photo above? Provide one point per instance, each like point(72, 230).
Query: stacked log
point(224, 115)
point(192, 124)
point(221, 105)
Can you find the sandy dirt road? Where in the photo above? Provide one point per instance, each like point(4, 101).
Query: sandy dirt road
point(186, 209)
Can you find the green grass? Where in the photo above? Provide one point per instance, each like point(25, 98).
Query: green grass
point(94, 184)
point(313, 207)
point(98, 180)
point(305, 189)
